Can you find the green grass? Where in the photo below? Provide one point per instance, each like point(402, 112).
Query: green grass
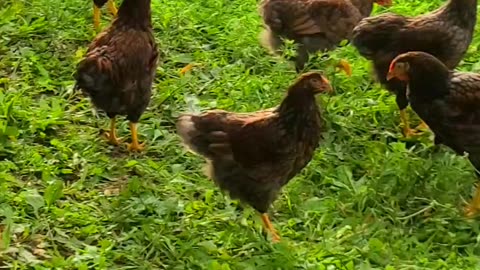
point(368, 200)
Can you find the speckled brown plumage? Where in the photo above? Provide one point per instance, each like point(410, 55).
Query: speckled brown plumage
point(449, 102)
point(315, 25)
point(445, 33)
point(119, 68)
point(251, 156)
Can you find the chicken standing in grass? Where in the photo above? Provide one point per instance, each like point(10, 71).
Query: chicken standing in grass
point(315, 25)
point(97, 5)
point(119, 68)
point(445, 33)
point(252, 155)
point(448, 101)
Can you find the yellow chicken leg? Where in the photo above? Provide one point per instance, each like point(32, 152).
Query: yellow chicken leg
point(474, 206)
point(422, 126)
point(112, 134)
point(407, 131)
point(111, 7)
point(186, 68)
point(269, 227)
point(96, 17)
point(134, 145)
point(345, 66)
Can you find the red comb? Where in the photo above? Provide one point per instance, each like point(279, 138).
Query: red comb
point(392, 64)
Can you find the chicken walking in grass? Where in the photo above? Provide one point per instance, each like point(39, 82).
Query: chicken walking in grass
point(445, 33)
point(314, 25)
point(119, 68)
point(97, 5)
point(448, 101)
point(252, 155)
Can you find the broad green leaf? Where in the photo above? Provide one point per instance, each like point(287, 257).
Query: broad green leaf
point(53, 192)
point(35, 200)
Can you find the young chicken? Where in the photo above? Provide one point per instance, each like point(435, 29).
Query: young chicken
point(97, 5)
point(315, 25)
point(119, 68)
point(445, 33)
point(252, 155)
point(449, 102)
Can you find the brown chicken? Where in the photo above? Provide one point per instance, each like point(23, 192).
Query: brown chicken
point(97, 5)
point(449, 102)
point(119, 68)
point(445, 33)
point(314, 25)
point(252, 155)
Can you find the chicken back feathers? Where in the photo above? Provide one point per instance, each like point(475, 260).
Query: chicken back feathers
point(252, 155)
point(315, 25)
point(294, 19)
point(445, 33)
point(119, 68)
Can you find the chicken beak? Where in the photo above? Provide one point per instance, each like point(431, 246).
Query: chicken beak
point(327, 87)
point(391, 74)
point(386, 3)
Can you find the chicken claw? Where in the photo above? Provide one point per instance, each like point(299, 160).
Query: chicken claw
point(407, 131)
point(345, 66)
point(186, 68)
point(113, 140)
point(422, 126)
point(410, 133)
point(473, 207)
point(470, 211)
point(111, 135)
point(269, 227)
point(134, 145)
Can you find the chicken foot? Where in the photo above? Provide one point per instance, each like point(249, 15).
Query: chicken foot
point(422, 126)
point(407, 131)
point(473, 206)
point(269, 227)
point(134, 145)
point(345, 66)
point(187, 68)
point(111, 135)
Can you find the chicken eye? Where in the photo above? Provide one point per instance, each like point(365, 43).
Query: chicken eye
point(402, 66)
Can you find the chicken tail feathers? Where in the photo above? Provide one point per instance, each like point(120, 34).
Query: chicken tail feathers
point(200, 138)
point(271, 12)
point(270, 41)
point(373, 34)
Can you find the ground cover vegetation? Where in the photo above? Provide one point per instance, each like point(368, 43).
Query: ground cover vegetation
point(368, 200)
